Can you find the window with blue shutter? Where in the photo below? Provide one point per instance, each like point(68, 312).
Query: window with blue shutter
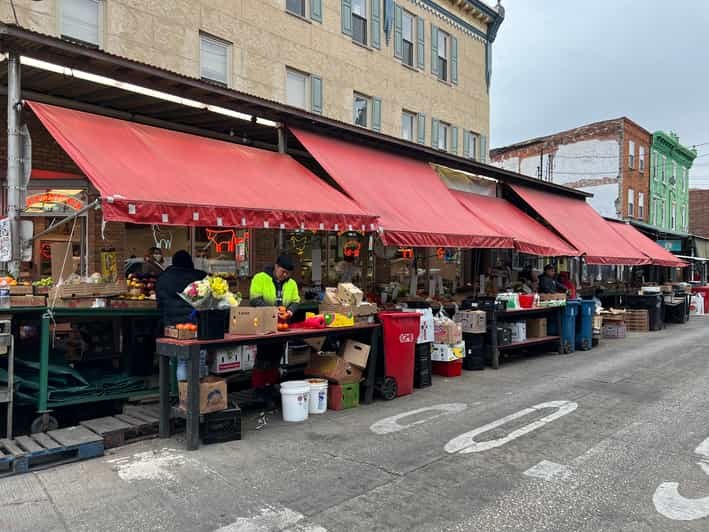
point(398, 36)
point(347, 17)
point(466, 143)
point(316, 10)
point(375, 23)
point(483, 148)
point(454, 140)
point(420, 43)
point(421, 124)
point(454, 60)
point(434, 133)
point(434, 50)
point(316, 94)
point(376, 114)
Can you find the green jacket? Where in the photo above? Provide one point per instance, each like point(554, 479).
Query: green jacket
point(263, 291)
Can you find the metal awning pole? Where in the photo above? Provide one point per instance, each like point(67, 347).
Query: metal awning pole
point(96, 204)
point(14, 164)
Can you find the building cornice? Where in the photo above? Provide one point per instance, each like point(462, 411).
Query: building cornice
point(486, 14)
point(670, 146)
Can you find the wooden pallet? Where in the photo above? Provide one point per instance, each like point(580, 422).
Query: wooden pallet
point(134, 425)
point(43, 450)
point(637, 320)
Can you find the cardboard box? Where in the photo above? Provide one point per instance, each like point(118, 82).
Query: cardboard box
point(519, 331)
point(537, 328)
point(426, 326)
point(212, 395)
point(330, 297)
point(365, 309)
point(446, 331)
point(471, 321)
point(236, 358)
point(349, 294)
point(356, 353)
point(29, 301)
point(447, 353)
point(316, 343)
point(179, 334)
point(299, 355)
point(253, 320)
point(334, 368)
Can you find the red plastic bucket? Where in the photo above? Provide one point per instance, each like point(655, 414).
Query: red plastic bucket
point(526, 300)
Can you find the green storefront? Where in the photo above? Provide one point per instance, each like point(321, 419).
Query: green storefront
point(670, 163)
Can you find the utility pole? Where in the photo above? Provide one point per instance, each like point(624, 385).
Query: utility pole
point(14, 154)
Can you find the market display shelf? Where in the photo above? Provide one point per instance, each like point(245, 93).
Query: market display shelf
point(529, 343)
point(517, 313)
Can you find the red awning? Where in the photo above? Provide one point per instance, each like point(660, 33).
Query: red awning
point(658, 255)
point(151, 175)
point(529, 235)
point(415, 207)
point(583, 227)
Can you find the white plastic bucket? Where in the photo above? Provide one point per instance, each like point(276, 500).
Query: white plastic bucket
point(318, 396)
point(294, 400)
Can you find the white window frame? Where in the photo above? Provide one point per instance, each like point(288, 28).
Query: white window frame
point(444, 73)
point(307, 87)
point(206, 37)
point(631, 202)
point(674, 172)
point(368, 111)
point(444, 129)
point(641, 159)
point(361, 15)
point(404, 15)
point(673, 215)
point(100, 23)
point(664, 168)
point(631, 154)
point(641, 205)
point(413, 118)
point(655, 164)
point(305, 9)
point(474, 143)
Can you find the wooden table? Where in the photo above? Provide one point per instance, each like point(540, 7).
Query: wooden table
point(189, 350)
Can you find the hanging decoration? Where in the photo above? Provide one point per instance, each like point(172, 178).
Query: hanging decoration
point(162, 238)
point(225, 240)
point(299, 243)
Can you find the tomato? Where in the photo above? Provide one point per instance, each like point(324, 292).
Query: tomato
point(192, 327)
point(180, 326)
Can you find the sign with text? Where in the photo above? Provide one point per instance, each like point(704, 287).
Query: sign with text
point(671, 245)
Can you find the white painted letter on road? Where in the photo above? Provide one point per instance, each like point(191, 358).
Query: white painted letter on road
point(391, 424)
point(465, 443)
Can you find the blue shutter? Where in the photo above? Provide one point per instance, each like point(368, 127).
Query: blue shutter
point(376, 114)
point(421, 126)
point(434, 50)
point(398, 33)
point(375, 23)
point(454, 140)
point(483, 148)
point(316, 94)
point(420, 43)
point(347, 17)
point(316, 10)
point(466, 143)
point(454, 60)
point(434, 133)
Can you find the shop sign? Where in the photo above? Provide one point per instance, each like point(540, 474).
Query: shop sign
point(406, 253)
point(671, 245)
point(5, 240)
point(51, 202)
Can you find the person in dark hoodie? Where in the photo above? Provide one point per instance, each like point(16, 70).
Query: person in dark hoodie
point(174, 279)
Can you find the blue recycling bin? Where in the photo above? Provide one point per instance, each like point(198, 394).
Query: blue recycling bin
point(584, 324)
point(568, 326)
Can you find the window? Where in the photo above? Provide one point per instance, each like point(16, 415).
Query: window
point(655, 163)
point(641, 205)
point(407, 37)
point(214, 58)
point(443, 130)
point(663, 167)
point(361, 107)
point(81, 20)
point(443, 40)
point(470, 145)
point(673, 220)
point(296, 7)
point(359, 21)
point(297, 89)
point(408, 125)
point(631, 202)
point(641, 159)
point(631, 154)
point(684, 220)
point(674, 171)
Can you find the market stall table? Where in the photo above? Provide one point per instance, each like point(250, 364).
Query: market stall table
point(189, 350)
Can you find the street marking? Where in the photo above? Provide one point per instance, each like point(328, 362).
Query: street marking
point(547, 470)
point(465, 443)
point(671, 504)
point(391, 424)
point(271, 519)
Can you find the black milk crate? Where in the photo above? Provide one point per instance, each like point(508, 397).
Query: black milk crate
point(422, 381)
point(504, 335)
point(212, 324)
point(474, 363)
point(474, 343)
point(223, 426)
point(422, 350)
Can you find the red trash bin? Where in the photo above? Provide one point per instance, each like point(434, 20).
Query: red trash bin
point(400, 331)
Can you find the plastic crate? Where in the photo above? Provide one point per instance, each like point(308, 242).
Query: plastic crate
point(221, 426)
point(474, 363)
point(212, 324)
point(342, 396)
point(614, 330)
point(448, 369)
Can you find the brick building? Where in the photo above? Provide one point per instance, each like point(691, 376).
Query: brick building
point(609, 159)
point(699, 212)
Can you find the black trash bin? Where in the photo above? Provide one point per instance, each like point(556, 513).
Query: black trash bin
point(653, 303)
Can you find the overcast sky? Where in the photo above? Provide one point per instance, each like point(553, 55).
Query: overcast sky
point(559, 64)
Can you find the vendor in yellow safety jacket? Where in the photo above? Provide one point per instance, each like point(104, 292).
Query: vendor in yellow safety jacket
point(273, 287)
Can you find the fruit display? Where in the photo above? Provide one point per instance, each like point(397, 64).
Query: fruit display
point(140, 287)
point(8, 281)
point(46, 282)
point(186, 327)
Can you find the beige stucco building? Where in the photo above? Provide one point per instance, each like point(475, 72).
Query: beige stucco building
point(416, 69)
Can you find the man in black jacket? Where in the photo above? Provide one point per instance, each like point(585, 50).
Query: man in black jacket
point(174, 309)
point(548, 283)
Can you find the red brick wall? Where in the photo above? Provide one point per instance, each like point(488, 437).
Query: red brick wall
point(634, 178)
point(699, 212)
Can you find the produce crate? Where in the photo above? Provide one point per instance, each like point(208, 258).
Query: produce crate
point(179, 334)
point(342, 396)
point(28, 301)
point(20, 290)
point(142, 304)
point(637, 320)
point(40, 290)
point(70, 291)
point(219, 427)
point(615, 330)
point(80, 302)
point(448, 369)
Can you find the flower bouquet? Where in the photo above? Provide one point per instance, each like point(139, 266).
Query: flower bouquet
point(210, 293)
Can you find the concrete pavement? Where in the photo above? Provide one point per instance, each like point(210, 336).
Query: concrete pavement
point(615, 445)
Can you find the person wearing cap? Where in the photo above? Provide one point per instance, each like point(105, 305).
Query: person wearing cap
point(273, 287)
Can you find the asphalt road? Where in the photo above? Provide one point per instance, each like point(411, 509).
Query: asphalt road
point(613, 439)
